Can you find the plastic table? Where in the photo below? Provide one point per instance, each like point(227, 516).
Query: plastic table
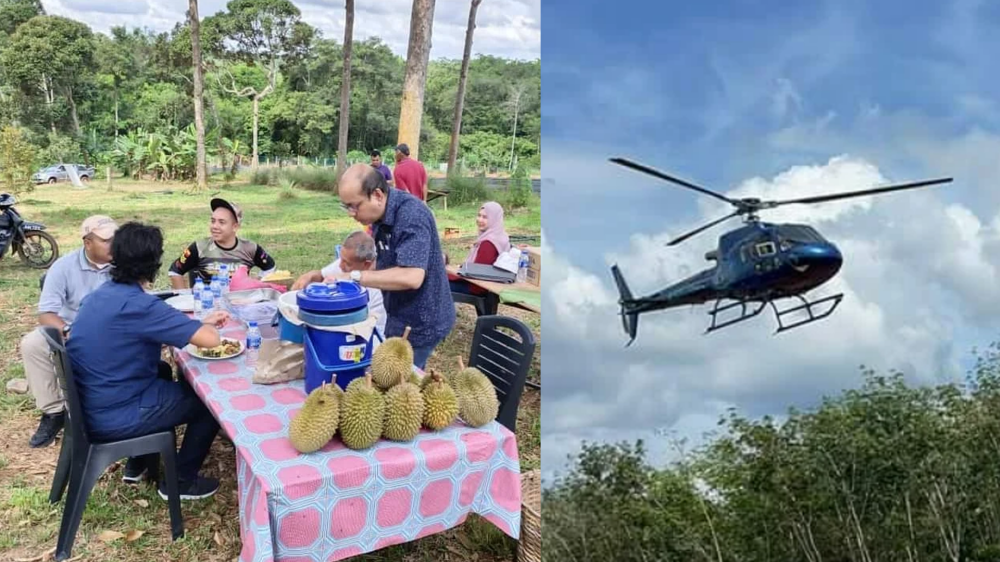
point(337, 503)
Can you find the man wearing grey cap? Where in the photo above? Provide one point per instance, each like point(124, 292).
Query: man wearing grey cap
point(410, 174)
point(67, 282)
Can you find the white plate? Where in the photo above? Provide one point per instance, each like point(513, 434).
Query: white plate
point(183, 303)
point(193, 350)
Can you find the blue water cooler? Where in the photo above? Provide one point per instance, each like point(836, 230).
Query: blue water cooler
point(327, 352)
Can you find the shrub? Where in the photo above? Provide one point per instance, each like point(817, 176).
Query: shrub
point(463, 189)
point(17, 157)
point(313, 178)
point(519, 192)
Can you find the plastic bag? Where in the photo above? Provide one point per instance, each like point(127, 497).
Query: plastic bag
point(279, 361)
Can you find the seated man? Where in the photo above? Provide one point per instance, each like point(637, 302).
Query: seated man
point(67, 281)
point(356, 254)
point(115, 353)
point(223, 247)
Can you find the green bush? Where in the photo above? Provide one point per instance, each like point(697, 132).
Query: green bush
point(312, 178)
point(17, 156)
point(519, 192)
point(263, 176)
point(462, 189)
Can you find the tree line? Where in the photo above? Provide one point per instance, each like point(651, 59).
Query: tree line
point(271, 82)
point(887, 472)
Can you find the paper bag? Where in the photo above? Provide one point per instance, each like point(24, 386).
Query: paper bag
point(279, 361)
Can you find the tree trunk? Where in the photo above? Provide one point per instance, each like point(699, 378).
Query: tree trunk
point(116, 112)
point(256, 117)
point(201, 167)
point(345, 90)
point(513, 134)
point(417, 55)
point(72, 110)
point(456, 122)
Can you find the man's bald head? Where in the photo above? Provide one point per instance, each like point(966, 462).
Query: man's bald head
point(363, 193)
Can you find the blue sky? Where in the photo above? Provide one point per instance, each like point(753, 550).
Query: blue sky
point(746, 97)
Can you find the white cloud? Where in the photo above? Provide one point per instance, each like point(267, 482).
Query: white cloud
point(915, 271)
point(505, 28)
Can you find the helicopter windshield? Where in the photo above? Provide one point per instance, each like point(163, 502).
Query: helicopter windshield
point(797, 233)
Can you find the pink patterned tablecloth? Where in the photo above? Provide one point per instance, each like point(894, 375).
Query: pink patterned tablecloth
point(337, 503)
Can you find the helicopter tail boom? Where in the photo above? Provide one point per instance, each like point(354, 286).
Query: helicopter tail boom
point(630, 319)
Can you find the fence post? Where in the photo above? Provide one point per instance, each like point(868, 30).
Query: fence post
point(108, 172)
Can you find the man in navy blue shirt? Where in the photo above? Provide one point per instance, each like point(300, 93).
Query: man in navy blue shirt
point(410, 268)
point(125, 390)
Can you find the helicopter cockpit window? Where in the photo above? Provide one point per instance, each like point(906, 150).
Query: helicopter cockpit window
point(765, 249)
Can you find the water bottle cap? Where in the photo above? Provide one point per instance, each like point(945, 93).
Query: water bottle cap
point(253, 323)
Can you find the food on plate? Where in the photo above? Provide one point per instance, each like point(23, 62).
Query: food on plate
point(280, 275)
point(316, 424)
point(440, 402)
point(392, 362)
point(477, 398)
point(226, 348)
point(404, 412)
point(362, 411)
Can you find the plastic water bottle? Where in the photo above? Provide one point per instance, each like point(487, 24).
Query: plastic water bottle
point(207, 298)
point(216, 287)
point(224, 278)
point(196, 292)
point(253, 344)
point(522, 268)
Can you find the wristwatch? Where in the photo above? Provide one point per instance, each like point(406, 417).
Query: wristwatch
point(65, 330)
point(356, 276)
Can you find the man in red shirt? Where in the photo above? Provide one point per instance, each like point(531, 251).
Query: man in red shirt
point(410, 174)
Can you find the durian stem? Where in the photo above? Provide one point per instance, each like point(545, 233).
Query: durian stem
point(406, 333)
point(461, 363)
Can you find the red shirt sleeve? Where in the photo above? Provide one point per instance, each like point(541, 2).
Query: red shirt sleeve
point(487, 253)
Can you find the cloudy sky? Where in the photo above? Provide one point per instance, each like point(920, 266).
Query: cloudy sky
point(504, 28)
point(749, 100)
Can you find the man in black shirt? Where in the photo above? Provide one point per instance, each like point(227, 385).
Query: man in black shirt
point(223, 247)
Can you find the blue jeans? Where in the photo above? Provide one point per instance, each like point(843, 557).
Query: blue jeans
point(178, 405)
point(421, 354)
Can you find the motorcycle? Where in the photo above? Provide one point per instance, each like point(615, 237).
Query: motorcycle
point(35, 247)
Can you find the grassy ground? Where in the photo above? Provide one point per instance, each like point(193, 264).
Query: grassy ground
point(299, 228)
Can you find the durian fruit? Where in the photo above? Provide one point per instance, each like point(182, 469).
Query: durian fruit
point(417, 379)
point(316, 423)
point(361, 414)
point(392, 362)
point(440, 402)
point(426, 380)
point(477, 398)
point(404, 412)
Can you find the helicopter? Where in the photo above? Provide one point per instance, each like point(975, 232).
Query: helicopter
point(756, 264)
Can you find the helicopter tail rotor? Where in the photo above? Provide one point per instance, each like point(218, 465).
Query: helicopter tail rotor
point(630, 319)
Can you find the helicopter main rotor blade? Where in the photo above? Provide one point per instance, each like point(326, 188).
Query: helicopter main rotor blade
point(834, 196)
point(698, 230)
point(656, 173)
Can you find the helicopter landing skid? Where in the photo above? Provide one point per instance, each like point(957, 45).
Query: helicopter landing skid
point(758, 307)
point(807, 306)
point(743, 315)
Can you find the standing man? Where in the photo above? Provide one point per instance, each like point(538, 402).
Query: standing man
point(410, 265)
point(410, 174)
point(381, 167)
point(68, 280)
point(223, 247)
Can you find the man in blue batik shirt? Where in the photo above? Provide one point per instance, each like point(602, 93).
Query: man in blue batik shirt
point(125, 390)
point(410, 269)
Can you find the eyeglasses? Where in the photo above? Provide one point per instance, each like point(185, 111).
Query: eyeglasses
point(353, 207)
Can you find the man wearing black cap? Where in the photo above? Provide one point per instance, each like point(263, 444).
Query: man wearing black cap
point(223, 247)
point(410, 174)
